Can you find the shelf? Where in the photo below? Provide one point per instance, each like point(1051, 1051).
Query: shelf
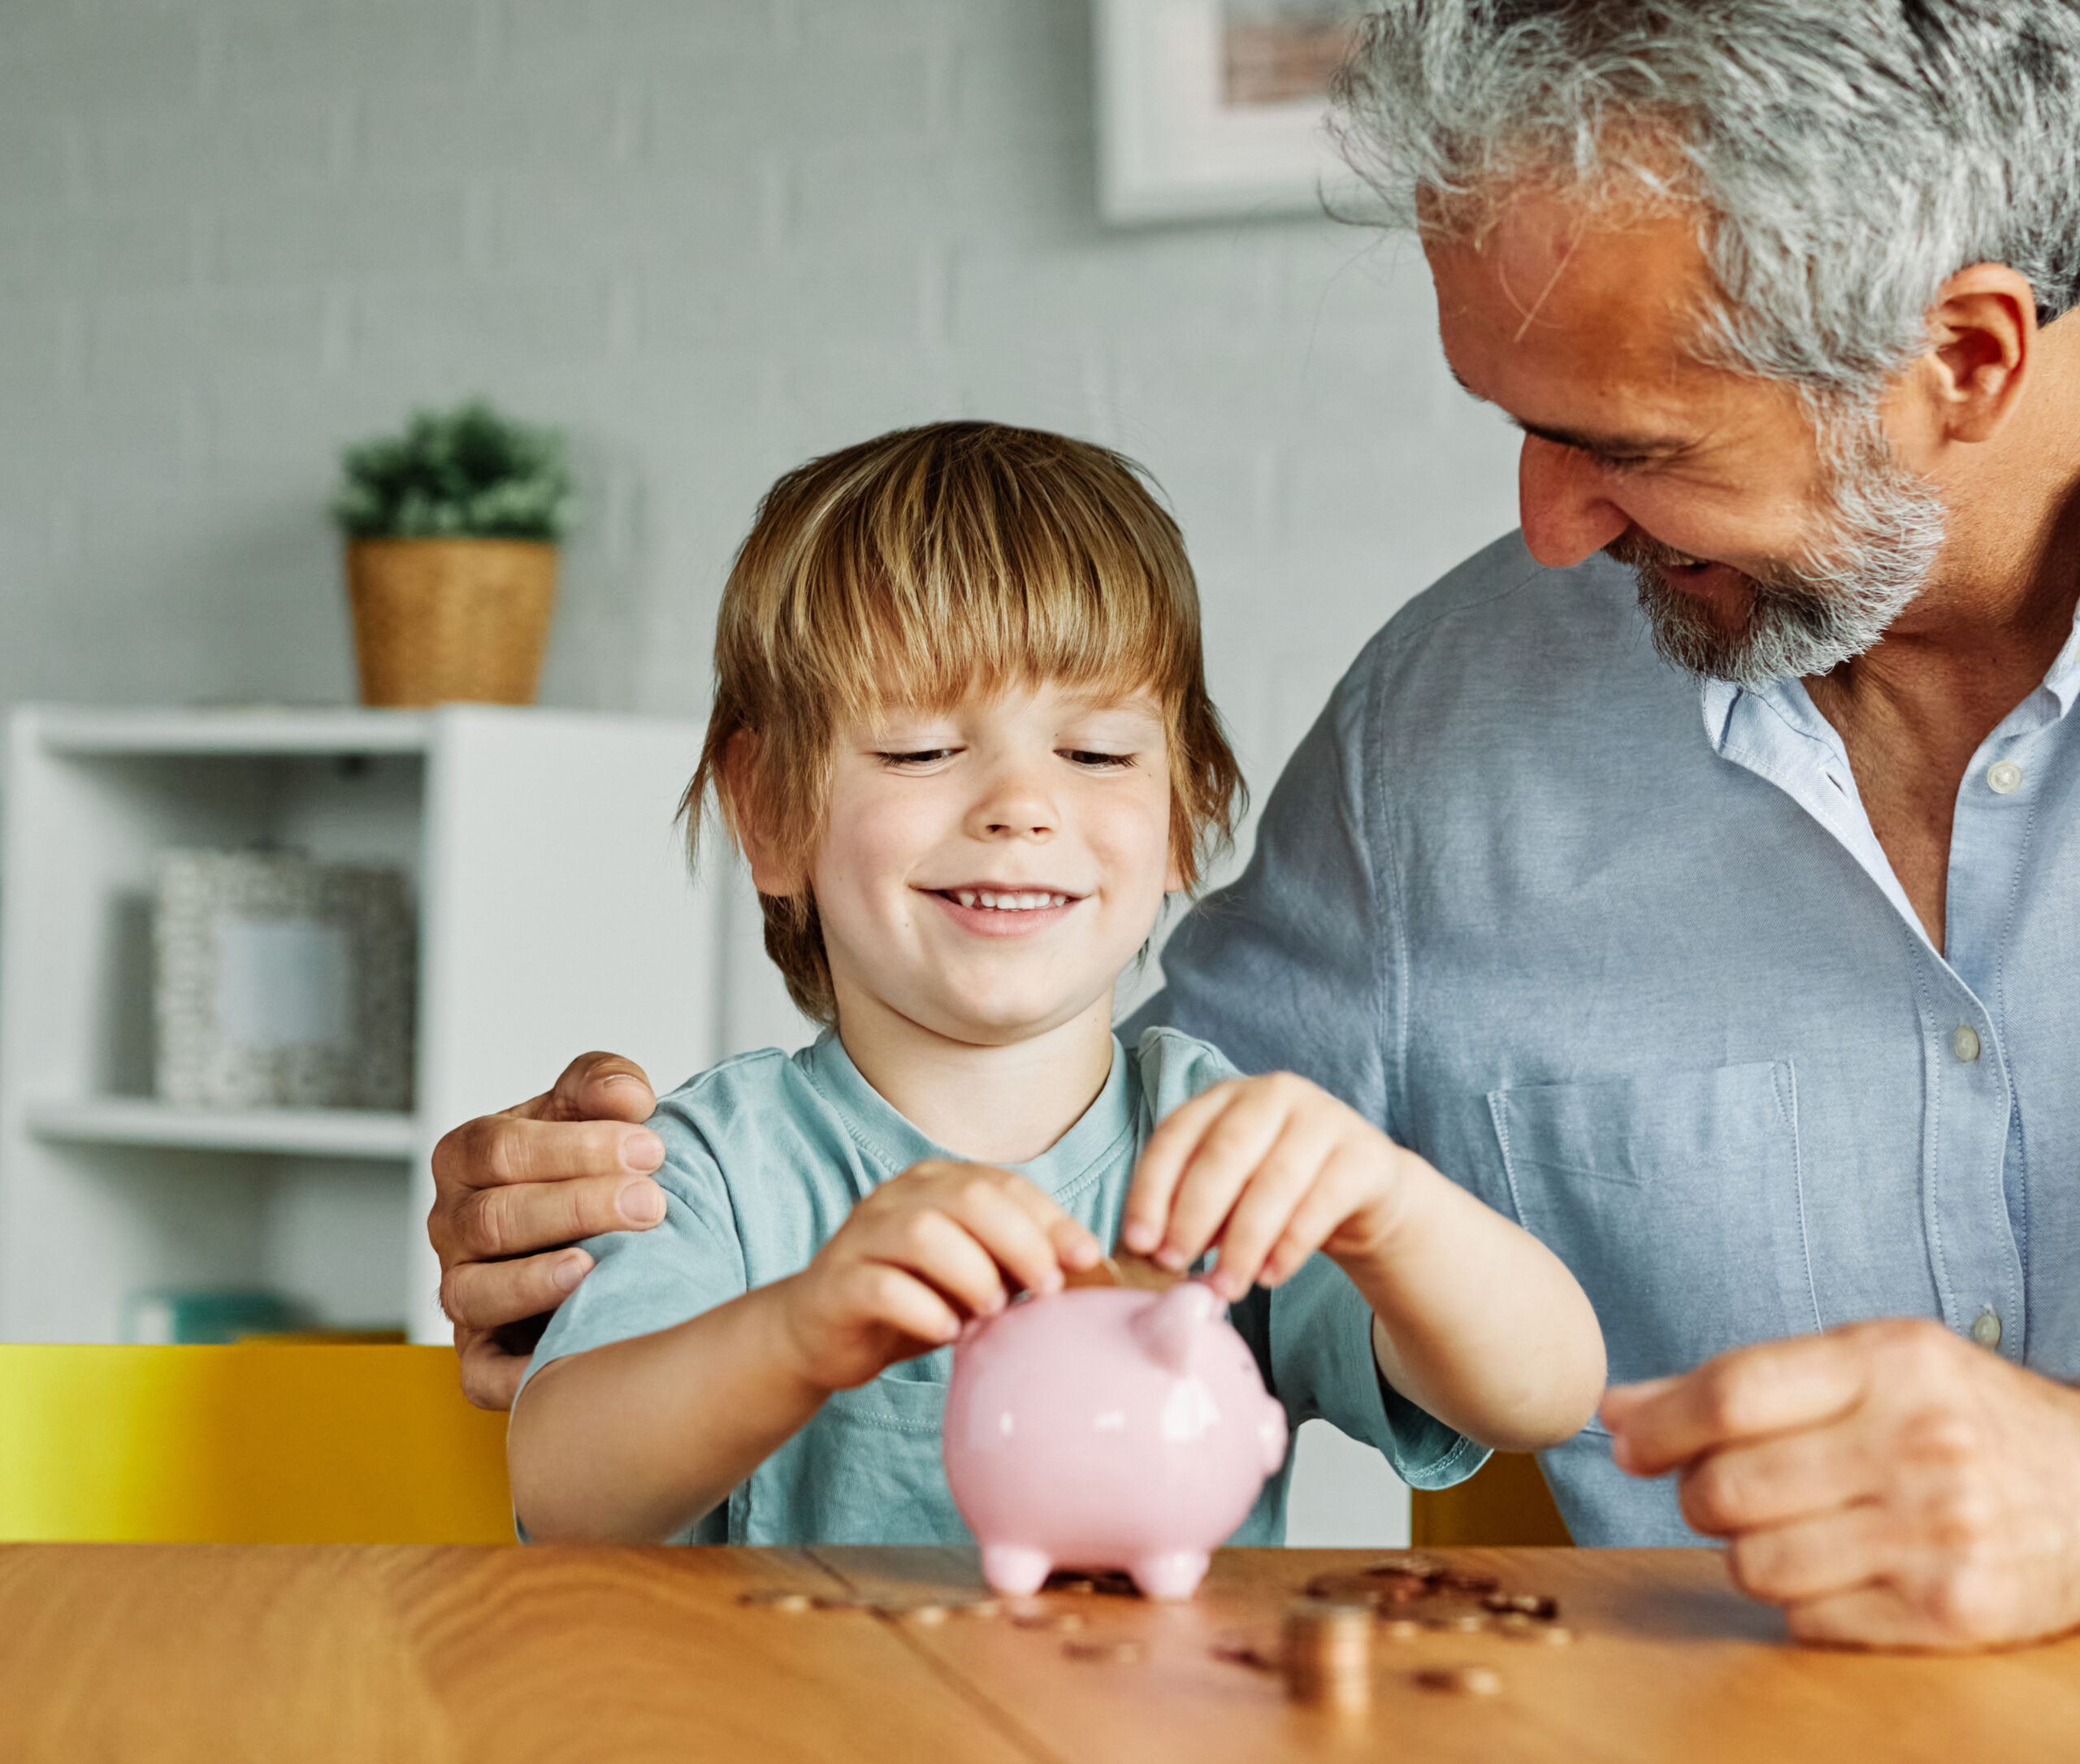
point(262, 729)
point(334, 1132)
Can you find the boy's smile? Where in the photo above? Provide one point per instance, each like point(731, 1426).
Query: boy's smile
point(988, 870)
point(1005, 909)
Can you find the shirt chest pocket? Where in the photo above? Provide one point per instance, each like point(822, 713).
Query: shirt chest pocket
point(1674, 1198)
point(866, 1470)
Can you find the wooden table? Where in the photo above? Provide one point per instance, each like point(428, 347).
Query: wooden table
point(233, 1653)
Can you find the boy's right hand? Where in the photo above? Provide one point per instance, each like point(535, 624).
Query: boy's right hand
point(926, 1250)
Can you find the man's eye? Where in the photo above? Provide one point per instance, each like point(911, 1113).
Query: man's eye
point(1097, 762)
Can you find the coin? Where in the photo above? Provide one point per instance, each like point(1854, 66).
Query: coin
point(1461, 1680)
point(776, 1598)
point(1141, 1275)
point(1109, 1581)
point(1239, 1650)
point(1419, 1562)
point(1326, 1649)
point(1047, 1620)
point(1104, 1651)
point(1538, 1604)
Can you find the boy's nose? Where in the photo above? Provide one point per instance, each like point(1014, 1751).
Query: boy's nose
point(1015, 810)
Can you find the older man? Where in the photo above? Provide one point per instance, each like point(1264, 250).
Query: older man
point(1695, 876)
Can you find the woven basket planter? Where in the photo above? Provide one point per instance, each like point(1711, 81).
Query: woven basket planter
point(437, 620)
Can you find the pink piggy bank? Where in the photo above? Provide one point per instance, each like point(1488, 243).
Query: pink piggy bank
point(1107, 1428)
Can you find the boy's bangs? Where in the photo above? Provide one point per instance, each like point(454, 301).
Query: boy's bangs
point(934, 624)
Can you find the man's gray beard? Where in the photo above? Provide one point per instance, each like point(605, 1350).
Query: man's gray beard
point(1880, 533)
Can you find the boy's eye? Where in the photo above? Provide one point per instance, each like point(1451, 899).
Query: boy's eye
point(1096, 762)
point(917, 757)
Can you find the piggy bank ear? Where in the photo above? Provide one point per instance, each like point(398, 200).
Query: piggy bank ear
point(1171, 1327)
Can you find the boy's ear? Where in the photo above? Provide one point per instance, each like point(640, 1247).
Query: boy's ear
point(740, 779)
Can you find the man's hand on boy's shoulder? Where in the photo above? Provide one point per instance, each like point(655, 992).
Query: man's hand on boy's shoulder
point(514, 1191)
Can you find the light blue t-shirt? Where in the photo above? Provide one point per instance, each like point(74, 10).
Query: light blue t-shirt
point(1623, 956)
point(766, 1153)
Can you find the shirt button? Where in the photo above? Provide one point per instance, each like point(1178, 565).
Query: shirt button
point(1964, 1040)
point(1986, 1328)
point(2005, 776)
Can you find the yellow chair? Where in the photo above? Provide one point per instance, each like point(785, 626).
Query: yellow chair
point(1504, 1501)
point(287, 1444)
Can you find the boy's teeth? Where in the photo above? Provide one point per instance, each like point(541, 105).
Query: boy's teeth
point(1008, 902)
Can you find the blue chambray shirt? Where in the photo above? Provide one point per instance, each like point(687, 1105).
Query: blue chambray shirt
point(1643, 979)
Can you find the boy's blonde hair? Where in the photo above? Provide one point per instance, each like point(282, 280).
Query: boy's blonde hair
point(915, 568)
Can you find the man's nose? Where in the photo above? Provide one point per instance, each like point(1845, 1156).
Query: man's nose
point(1566, 515)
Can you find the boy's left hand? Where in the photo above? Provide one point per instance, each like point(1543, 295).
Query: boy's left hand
point(1272, 1169)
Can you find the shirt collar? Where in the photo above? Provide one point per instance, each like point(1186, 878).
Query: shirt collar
point(888, 1135)
point(2047, 704)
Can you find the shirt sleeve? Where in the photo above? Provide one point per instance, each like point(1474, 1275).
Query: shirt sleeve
point(1298, 965)
point(1313, 1338)
point(642, 1281)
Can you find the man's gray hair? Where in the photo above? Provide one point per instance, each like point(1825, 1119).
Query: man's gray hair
point(1848, 157)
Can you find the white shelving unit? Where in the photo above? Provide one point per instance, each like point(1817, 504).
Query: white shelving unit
point(556, 913)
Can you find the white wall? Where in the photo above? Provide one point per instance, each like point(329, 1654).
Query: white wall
point(709, 237)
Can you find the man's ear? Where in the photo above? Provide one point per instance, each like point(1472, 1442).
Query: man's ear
point(748, 816)
point(1982, 338)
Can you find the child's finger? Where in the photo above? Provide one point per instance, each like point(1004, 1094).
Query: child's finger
point(943, 1251)
point(989, 1204)
point(1226, 1159)
point(1075, 1246)
point(1162, 1165)
point(1267, 1202)
point(1342, 1182)
point(895, 1297)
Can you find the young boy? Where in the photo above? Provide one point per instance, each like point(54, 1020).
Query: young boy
point(961, 733)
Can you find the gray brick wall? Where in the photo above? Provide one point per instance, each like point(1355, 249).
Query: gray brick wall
point(709, 236)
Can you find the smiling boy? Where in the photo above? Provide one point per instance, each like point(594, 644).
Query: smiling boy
point(961, 733)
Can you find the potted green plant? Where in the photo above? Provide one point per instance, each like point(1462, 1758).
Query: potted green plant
point(452, 532)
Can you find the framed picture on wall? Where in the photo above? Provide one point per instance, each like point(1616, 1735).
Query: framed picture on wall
point(1216, 107)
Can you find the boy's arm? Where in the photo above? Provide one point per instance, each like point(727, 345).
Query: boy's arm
point(632, 1441)
point(1474, 1320)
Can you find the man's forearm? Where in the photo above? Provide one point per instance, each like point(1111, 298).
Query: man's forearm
point(633, 1442)
point(1477, 1322)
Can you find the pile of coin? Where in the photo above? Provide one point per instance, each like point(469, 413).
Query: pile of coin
point(1415, 1590)
point(1461, 1680)
point(1326, 1651)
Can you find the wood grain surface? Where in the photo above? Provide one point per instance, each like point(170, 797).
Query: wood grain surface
point(429, 1655)
point(1669, 1664)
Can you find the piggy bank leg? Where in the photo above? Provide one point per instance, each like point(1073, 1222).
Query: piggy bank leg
point(1013, 1568)
point(1175, 1575)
